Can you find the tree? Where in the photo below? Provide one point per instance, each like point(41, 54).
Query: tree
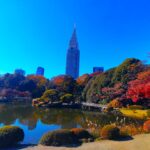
point(83, 80)
point(127, 71)
point(64, 83)
point(139, 89)
point(12, 80)
point(104, 85)
point(50, 95)
point(41, 84)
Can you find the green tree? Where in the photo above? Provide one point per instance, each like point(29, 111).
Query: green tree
point(50, 95)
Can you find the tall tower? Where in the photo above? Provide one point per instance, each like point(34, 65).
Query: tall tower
point(73, 57)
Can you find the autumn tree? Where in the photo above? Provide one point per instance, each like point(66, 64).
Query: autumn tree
point(139, 89)
point(64, 83)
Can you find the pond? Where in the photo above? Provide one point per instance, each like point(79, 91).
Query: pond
point(37, 121)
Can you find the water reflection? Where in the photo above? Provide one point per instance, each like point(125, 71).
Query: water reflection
point(36, 121)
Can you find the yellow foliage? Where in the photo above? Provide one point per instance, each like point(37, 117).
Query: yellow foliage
point(139, 114)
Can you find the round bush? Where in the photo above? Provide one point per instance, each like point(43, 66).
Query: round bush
point(58, 138)
point(146, 126)
point(10, 135)
point(81, 133)
point(110, 132)
point(115, 103)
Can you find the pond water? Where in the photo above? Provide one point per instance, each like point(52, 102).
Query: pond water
point(37, 121)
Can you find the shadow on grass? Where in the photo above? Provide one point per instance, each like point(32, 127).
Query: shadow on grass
point(124, 138)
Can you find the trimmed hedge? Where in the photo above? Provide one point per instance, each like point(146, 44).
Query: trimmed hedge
point(81, 133)
point(60, 137)
point(110, 132)
point(10, 135)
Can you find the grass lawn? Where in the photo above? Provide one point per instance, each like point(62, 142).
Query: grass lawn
point(139, 114)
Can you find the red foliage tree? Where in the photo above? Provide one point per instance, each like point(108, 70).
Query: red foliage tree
point(139, 89)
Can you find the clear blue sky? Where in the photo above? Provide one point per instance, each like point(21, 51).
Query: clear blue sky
point(37, 32)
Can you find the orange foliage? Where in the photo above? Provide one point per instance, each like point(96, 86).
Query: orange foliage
point(38, 79)
point(82, 80)
point(59, 80)
point(130, 130)
point(77, 130)
point(146, 126)
point(144, 75)
point(115, 103)
point(110, 132)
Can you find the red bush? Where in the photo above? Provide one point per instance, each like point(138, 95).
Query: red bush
point(146, 126)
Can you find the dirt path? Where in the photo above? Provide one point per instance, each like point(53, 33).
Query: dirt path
point(139, 142)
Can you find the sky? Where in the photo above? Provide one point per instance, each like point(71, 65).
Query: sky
point(37, 32)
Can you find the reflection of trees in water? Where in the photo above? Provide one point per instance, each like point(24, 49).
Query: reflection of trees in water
point(10, 113)
point(7, 116)
point(66, 118)
point(63, 117)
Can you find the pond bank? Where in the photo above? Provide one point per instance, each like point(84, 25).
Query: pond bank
point(82, 105)
point(139, 142)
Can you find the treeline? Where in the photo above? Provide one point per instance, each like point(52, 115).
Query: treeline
point(14, 83)
point(35, 86)
point(124, 85)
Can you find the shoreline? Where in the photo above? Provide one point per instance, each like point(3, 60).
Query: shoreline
point(139, 142)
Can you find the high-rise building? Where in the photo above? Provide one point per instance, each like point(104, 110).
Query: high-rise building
point(98, 69)
point(40, 71)
point(73, 57)
point(20, 72)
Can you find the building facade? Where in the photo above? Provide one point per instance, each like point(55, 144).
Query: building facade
point(98, 69)
point(40, 71)
point(73, 57)
point(20, 72)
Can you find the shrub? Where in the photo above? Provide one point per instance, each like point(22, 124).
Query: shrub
point(146, 126)
point(50, 95)
point(67, 98)
point(115, 103)
point(81, 133)
point(110, 132)
point(10, 135)
point(59, 138)
point(135, 107)
point(109, 109)
point(130, 130)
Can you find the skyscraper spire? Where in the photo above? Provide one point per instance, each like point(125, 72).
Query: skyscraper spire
point(73, 56)
point(73, 41)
